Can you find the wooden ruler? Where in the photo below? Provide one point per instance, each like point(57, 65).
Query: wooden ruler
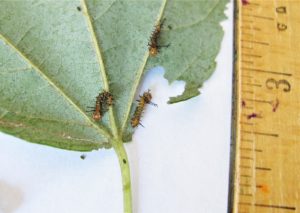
point(266, 132)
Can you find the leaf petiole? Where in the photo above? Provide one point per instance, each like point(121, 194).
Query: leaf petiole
point(125, 172)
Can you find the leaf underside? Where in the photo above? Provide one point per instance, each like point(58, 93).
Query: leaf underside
point(56, 56)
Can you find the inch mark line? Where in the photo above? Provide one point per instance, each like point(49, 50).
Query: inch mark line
point(266, 71)
point(247, 76)
point(253, 85)
point(251, 55)
point(257, 16)
point(250, 28)
point(263, 168)
point(246, 149)
point(261, 133)
point(246, 158)
point(247, 91)
point(248, 48)
point(256, 42)
point(248, 34)
point(247, 140)
point(250, 149)
point(250, 195)
point(245, 204)
point(245, 167)
point(245, 185)
point(276, 206)
point(258, 101)
point(246, 123)
point(248, 21)
point(247, 176)
point(247, 62)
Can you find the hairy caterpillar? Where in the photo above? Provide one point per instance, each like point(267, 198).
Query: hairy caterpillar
point(103, 101)
point(153, 43)
point(145, 99)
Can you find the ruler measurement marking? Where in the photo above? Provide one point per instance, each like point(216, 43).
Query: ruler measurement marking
point(266, 71)
point(255, 42)
point(248, 194)
point(247, 176)
point(258, 101)
point(250, 149)
point(245, 167)
point(249, 48)
point(268, 206)
point(248, 34)
point(251, 28)
point(254, 4)
point(260, 26)
point(247, 91)
point(245, 185)
point(247, 76)
point(258, 16)
point(251, 55)
point(247, 140)
point(253, 85)
point(246, 123)
point(263, 168)
point(260, 133)
point(246, 158)
point(246, 204)
point(276, 206)
point(247, 62)
point(248, 21)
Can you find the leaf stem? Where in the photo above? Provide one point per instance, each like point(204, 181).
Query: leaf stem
point(119, 148)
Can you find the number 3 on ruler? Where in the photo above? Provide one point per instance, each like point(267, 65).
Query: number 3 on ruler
point(271, 83)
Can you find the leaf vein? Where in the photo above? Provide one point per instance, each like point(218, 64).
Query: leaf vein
point(139, 74)
point(101, 64)
point(47, 79)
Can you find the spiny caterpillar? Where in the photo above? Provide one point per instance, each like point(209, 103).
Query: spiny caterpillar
point(145, 99)
point(153, 43)
point(103, 101)
point(107, 98)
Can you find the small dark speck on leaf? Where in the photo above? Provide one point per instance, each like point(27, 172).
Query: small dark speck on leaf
point(83, 156)
point(79, 8)
point(169, 27)
point(124, 161)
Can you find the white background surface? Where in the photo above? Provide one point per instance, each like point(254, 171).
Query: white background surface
point(179, 161)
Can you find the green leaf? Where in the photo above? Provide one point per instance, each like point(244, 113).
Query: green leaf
point(56, 56)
